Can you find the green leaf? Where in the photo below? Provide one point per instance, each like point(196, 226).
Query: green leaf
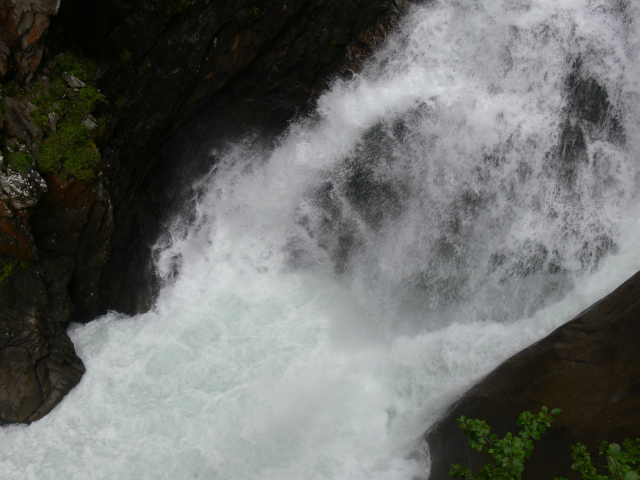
point(614, 450)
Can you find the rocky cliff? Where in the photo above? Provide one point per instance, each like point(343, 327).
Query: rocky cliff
point(93, 95)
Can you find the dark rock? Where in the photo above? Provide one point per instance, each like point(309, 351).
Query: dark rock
point(24, 25)
point(17, 120)
point(38, 364)
point(234, 67)
point(20, 393)
point(589, 101)
point(72, 229)
point(588, 368)
point(16, 239)
point(588, 117)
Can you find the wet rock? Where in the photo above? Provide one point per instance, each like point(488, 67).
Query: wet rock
point(588, 368)
point(72, 229)
point(18, 192)
point(589, 101)
point(38, 364)
point(20, 392)
point(25, 23)
point(90, 122)
point(73, 81)
point(18, 122)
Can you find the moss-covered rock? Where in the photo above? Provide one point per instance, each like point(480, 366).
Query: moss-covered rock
point(64, 100)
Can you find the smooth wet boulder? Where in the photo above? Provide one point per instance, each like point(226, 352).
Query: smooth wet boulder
point(588, 368)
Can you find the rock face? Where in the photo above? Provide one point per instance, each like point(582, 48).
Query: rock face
point(75, 236)
point(38, 364)
point(24, 24)
point(588, 368)
point(246, 64)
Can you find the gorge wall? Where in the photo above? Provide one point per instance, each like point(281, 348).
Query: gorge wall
point(87, 175)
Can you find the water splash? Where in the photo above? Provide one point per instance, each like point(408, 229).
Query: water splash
point(475, 187)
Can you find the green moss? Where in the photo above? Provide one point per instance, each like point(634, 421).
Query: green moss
point(19, 162)
point(82, 68)
point(70, 150)
point(126, 58)
point(8, 89)
point(178, 6)
point(257, 13)
point(11, 268)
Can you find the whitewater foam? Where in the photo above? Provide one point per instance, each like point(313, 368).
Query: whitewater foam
point(332, 295)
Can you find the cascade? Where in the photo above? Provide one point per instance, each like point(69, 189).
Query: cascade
point(328, 296)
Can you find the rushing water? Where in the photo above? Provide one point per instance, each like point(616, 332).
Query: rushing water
point(330, 296)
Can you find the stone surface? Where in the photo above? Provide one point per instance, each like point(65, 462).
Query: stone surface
point(25, 23)
point(61, 237)
point(17, 120)
point(72, 229)
point(38, 364)
point(588, 368)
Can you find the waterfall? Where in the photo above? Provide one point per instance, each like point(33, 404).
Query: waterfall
point(328, 296)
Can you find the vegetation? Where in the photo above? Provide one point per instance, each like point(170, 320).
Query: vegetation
point(510, 452)
point(71, 151)
point(19, 162)
point(623, 464)
point(69, 148)
point(11, 268)
point(178, 6)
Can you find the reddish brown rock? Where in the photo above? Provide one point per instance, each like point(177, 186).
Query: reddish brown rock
point(16, 239)
point(588, 368)
point(24, 24)
point(17, 120)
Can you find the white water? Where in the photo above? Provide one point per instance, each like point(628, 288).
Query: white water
point(335, 294)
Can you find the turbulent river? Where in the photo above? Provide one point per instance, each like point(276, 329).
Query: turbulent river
point(473, 188)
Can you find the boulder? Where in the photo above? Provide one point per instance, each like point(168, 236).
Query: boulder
point(588, 368)
point(38, 364)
